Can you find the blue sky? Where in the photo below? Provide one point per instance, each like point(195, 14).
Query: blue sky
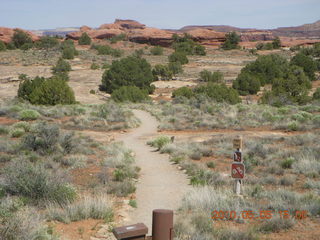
point(44, 14)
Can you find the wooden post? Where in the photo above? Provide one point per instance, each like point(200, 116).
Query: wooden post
point(237, 144)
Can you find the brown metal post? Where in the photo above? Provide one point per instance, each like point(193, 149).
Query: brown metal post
point(162, 224)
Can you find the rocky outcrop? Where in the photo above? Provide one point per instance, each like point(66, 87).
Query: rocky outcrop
point(129, 24)
point(139, 33)
point(152, 36)
point(206, 36)
point(6, 34)
point(256, 35)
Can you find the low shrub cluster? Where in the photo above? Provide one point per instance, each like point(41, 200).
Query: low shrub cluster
point(216, 92)
point(232, 41)
point(84, 39)
point(185, 44)
point(107, 50)
point(130, 94)
point(207, 76)
point(68, 49)
point(157, 50)
point(275, 44)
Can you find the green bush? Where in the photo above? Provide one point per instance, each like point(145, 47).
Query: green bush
point(183, 92)
point(157, 51)
point(51, 91)
point(175, 67)
point(84, 39)
point(232, 41)
point(276, 43)
point(162, 71)
point(129, 71)
point(117, 38)
point(107, 50)
point(129, 93)
point(47, 42)
point(94, 66)
point(11, 46)
point(307, 63)
point(26, 46)
point(61, 66)
point(2, 46)
point(218, 92)
point(29, 114)
point(287, 163)
point(186, 45)
point(68, 53)
point(160, 142)
point(180, 57)
point(20, 38)
point(246, 83)
point(17, 132)
point(316, 94)
point(208, 76)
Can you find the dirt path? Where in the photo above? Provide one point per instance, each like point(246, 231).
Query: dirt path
point(161, 185)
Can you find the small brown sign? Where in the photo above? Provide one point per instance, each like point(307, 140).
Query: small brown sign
point(237, 170)
point(237, 156)
point(237, 143)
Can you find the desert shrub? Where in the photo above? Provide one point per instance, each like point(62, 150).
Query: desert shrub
point(211, 165)
point(36, 182)
point(69, 44)
point(175, 67)
point(162, 71)
point(157, 50)
point(11, 46)
point(199, 50)
point(26, 46)
point(276, 43)
point(27, 86)
point(288, 180)
point(122, 189)
point(94, 66)
point(232, 41)
point(47, 42)
point(84, 39)
point(246, 84)
point(160, 142)
point(61, 66)
point(316, 94)
point(186, 45)
point(107, 50)
point(95, 207)
point(68, 53)
point(276, 224)
point(287, 163)
point(138, 52)
point(119, 37)
point(3, 130)
point(43, 139)
point(29, 114)
point(16, 132)
point(307, 63)
point(180, 57)
point(218, 92)
point(20, 38)
point(24, 224)
point(130, 93)
point(2, 46)
point(130, 71)
point(208, 76)
point(183, 92)
point(53, 91)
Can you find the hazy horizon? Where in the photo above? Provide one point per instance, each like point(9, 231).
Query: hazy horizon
point(37, 14)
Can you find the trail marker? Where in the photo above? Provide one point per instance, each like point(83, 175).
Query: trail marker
point(237, 156)
point(237, 167)
point(237, 143)
point(237, 170)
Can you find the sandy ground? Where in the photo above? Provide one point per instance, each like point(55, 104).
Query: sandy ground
point(161, 185)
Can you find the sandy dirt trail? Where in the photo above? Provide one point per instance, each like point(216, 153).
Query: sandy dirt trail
point(161, 184)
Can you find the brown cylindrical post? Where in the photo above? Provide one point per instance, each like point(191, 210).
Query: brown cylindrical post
point(162, 224)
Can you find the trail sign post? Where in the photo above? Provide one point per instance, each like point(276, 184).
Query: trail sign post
point(237, 167)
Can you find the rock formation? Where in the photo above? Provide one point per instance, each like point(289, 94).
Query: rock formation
point(6, 34)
